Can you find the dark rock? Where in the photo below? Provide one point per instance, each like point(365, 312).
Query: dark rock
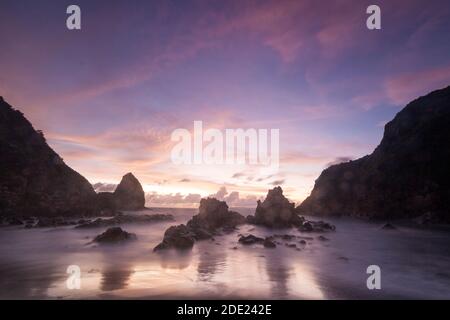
point(129, 194)
point(275, 211)
point(316, 226)
point(302, 242)
point(268, 243)
point(322, 238)
point(177, 237)
point(389, 226)
point(114, 235)
point(34, 180)
point(291, 245)
point(250, 239)
point(125, 218)
point(406, 176)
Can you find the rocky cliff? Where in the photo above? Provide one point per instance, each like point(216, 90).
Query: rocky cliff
point(129, 194)
point(406, 176)
point(34, 180)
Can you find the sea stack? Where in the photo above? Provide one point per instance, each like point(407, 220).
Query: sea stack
point(129, 194)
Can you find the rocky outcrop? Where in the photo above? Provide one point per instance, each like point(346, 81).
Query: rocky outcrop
point(275, 211)
point(213, 215)
point(128, 195)
point(114, 235)
point(406, 176)
point(34, 180)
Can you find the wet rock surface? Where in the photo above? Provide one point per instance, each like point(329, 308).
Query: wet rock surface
point(114, 235)
point(250, 239)
point(177, 237)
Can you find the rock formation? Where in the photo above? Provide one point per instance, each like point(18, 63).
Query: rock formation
point(34, 180)
point(406, 176)
point(275, 211)
point(128, 195)
point(213, 215)
point(177, 237)
point(114, 235)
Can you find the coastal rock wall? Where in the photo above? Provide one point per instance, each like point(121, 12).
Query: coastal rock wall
point(407, 175)
point(34, 180)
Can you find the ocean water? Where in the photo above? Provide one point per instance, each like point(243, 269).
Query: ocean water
point(414, 264)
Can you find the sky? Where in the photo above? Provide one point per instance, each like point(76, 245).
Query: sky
point(109, 96)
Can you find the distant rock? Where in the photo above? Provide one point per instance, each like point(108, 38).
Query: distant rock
point(129, 194)
point(114, 235)
point(34, 180)
point(214, 214)
point(275, 211)
point(406, 176)
point(177, 237)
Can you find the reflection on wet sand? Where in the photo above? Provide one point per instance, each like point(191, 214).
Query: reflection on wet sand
point(21, 281)
point(278, 272)
point(115, 278)
point(210, 263)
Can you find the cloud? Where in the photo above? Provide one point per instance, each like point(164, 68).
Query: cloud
point(338, 160)
point(184, 180)
point(234, 199)
point(402, 88)
point(154, 198)
point(277, 182)
point(104, 187)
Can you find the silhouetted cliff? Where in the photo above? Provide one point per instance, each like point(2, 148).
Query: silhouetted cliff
point(406, 176)
point(34, 180)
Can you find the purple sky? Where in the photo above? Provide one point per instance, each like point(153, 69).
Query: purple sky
point(109, 96)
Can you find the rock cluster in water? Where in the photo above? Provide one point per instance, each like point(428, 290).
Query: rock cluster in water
point(213, 215)
point(114, 235)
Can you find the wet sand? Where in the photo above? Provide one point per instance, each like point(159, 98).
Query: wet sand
point(414, 264)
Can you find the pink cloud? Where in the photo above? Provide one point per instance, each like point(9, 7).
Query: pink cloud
point(407, 86)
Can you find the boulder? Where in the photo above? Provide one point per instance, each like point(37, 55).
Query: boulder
point(114, 235)
point(250, 239)
point(268, 243)
point(177, 237)
point(275, 211)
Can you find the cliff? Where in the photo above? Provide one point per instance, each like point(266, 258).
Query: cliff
point(34, 180)
point(406, 176)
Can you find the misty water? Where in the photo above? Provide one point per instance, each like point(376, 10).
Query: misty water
point(414, 264)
